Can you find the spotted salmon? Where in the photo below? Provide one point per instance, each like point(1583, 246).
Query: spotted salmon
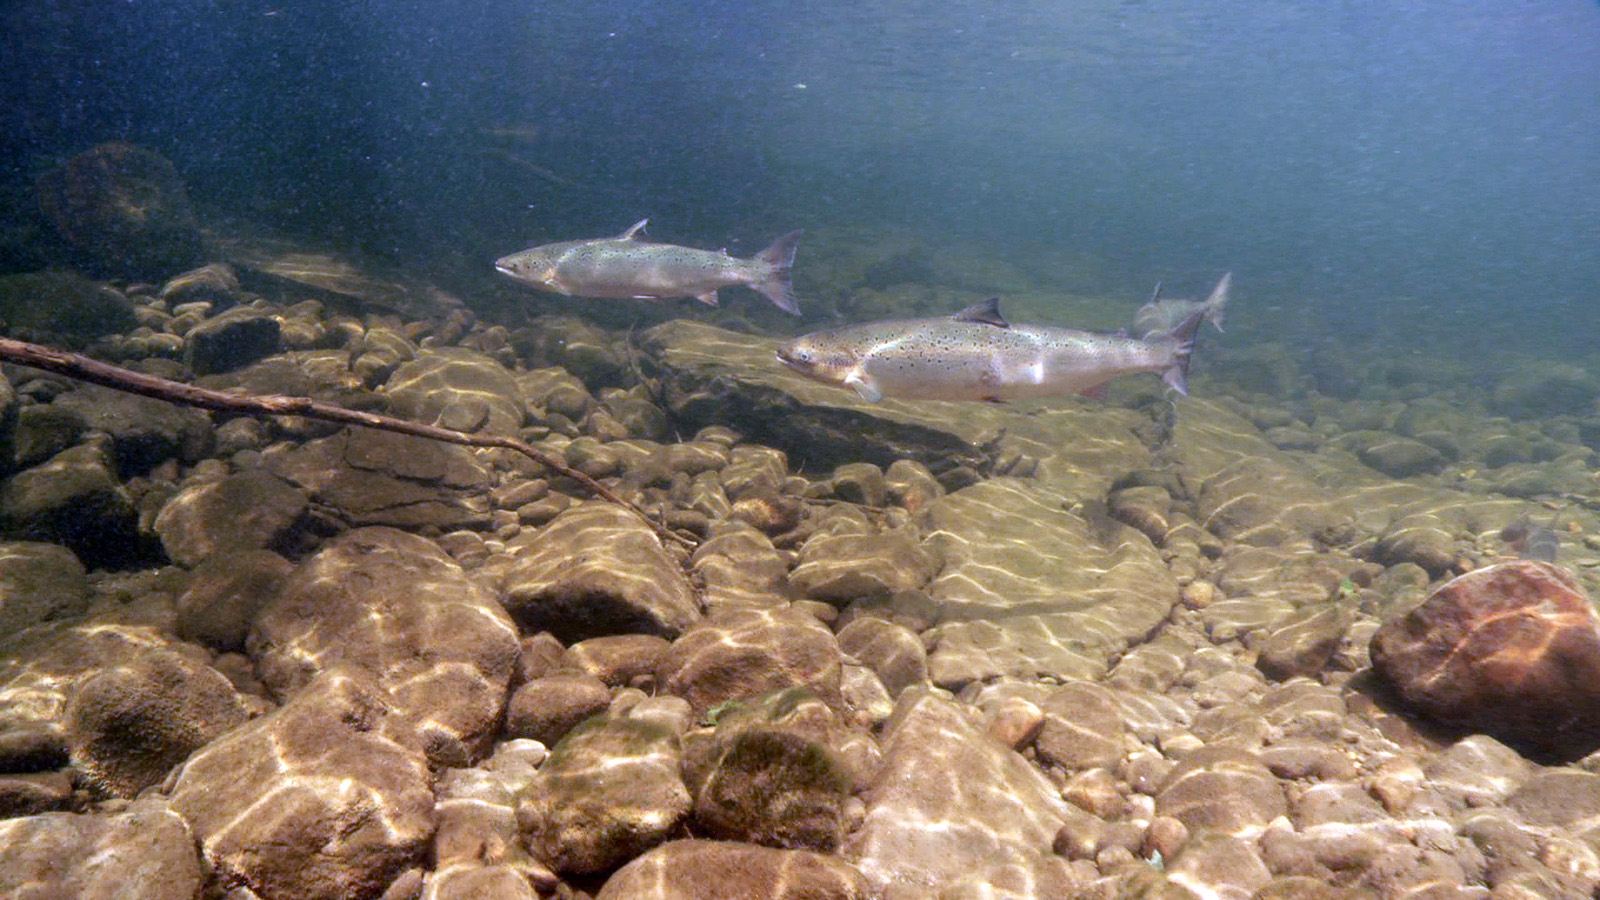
point(977, 355)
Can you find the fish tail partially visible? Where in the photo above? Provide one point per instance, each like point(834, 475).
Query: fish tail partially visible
point(1217, 303)
point(1176, 375)
point(776, 286)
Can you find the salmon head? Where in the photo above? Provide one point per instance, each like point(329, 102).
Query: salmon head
point(818, 357)
point(535, 266)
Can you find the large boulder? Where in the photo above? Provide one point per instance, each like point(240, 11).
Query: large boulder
point(394, 605)
point(325, 799)
point(1511, 650)
point(124, 208)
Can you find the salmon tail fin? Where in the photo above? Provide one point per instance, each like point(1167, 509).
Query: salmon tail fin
point(1177, 375)
point(775, 286)
point(1217, 303)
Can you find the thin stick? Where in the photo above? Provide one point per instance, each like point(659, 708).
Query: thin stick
point(82, 368)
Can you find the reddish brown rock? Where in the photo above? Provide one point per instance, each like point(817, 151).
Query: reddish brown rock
point(124, 208)
point(1511, 650)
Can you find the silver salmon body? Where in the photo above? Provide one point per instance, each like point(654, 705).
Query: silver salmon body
point(977, 355)
point(627, 267)
point(1163, 314)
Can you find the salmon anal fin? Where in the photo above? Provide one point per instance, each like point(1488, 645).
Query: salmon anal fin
point(709, 298)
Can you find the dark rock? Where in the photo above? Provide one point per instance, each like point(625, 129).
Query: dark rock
point(128, 724)
point(738, 566)
point(725, 870)
point(370, 477)
point(477, 844)
point(39, 582)
point(953, 810)
point(609, 791)
point(252, 510)
point(1541, 389)
point(124, 208)
point(62, 309)
point(741, 653)
point(29, 794)
point(711, 376)
point(40, 669)
point(396, 606)
point(229, 341)
point(142, 852)
point(225, 593)
point(774, 772)
point(1215, 864)
point(319, 374)
point(596, 570)
point(144, 431)
point(75, 499)
point(547, 707)
point(43, 430)
point(216, 283)
point(325, 799)
point(1396, 456)
point(1511, 650)
point(1010, 603)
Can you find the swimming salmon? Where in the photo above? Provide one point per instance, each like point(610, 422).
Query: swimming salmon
point(627, 266)
point(977, 355)
point(1162, 315)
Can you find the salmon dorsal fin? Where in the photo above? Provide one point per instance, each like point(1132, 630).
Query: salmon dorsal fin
point(986, 313)
point(634, 230)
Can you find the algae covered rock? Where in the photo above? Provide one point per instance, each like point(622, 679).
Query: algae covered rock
point(124, 208)
point(609, 791)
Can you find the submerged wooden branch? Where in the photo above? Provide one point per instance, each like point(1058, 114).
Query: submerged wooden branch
point(82, 368)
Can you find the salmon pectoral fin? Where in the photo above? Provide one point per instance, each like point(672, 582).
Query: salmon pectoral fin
point(1097, 392)
point(864, 389)
point(709, 298)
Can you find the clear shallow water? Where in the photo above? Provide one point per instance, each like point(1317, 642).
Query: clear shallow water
point(1426, 169)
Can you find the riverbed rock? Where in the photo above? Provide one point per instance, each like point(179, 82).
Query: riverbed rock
point(459, 389)
point(369, 477)
point(128, 724)
point(141, 852)
point(954, 810)
point(231, 340)
point(39, 582)
point(394, 605)
point(124, 208)
point(596, 570)
point(78, 500)
point(327, 798)
point(62, 309)
point(250, 510)
point(740, 653)
point(1511, 650)
point(725, 870)
point(609, 791)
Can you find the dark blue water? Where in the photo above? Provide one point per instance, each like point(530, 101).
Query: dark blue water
point(1419, 169)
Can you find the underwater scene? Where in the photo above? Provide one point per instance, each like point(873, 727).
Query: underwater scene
point(903, 450)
